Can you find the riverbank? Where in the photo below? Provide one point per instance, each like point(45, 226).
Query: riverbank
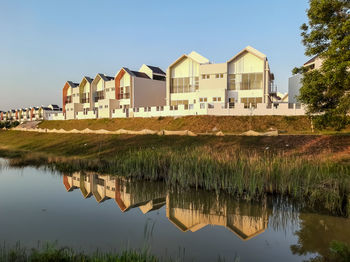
point(313, 169)
point(196, 124)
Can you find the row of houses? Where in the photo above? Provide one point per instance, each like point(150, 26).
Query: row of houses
point(35, 113)
point(192, 85)
point(186, 210)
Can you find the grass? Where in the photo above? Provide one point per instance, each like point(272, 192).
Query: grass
point(312, 169)
point(197, 124)
point(50, 252)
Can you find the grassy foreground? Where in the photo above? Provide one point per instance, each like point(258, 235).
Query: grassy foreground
point(197, 124)
point(312, 169)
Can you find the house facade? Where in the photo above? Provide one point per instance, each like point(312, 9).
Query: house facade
point(145, 88)
point(71, 100)
point(295, 82)
point(196, 83)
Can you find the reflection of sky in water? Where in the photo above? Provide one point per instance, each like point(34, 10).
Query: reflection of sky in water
point(35, 205)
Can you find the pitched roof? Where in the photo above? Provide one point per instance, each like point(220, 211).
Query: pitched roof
point(194, 56)
point(135, 73)
point(89, 79)
point(199, 58)
point(251, 50)
point(156, 70)
point(72, 84)
point(140, 74)
point(311, 60)
point(105, 78)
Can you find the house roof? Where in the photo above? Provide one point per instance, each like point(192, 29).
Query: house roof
point(251, 50)
point(72, 84)
point(140, 74)
point(311, 60)
point(194, 56)
point(105, 78)
point(156, 70)
point(89, 79)
point(134, 73)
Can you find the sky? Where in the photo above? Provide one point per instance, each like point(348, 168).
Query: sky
point(44, 43)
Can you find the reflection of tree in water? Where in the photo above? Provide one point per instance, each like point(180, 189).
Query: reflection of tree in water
point(317, 232)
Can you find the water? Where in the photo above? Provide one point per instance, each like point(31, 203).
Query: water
point(91, 211)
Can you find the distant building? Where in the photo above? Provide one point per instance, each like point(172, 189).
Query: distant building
point(294, 82)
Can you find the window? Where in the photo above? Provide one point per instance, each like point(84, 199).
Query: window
point(203, 99)
point(231, 102)
point(251, 102)
point(106, 106)
point(179, 102)
point(202, 106)
point(184, 84)
point(219, 76)
point(205, 76)
point(217, 99)
point(248, 81)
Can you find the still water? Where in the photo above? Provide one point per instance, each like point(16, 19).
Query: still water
point(89, 211)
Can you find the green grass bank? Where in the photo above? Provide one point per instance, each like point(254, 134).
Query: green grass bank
point(312, 169)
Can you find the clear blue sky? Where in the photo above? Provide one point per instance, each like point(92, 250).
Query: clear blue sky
point(43, 43)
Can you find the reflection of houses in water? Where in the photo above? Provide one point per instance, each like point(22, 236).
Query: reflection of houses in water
point(127, 195)
point(244, 219)
point(189, 211)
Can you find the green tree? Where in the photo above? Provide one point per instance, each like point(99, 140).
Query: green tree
point(326, 91)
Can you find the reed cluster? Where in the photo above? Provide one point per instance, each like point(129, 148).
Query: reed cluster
point(248, 175)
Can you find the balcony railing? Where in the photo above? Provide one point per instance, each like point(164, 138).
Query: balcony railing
point(68, 100)
point(85, 100)
point(124, 96)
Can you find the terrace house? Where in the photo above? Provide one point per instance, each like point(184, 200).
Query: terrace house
point(195, 83)
point(71, 100)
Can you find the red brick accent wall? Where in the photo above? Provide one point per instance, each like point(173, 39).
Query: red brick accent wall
point(65, 89)
point(117, 83)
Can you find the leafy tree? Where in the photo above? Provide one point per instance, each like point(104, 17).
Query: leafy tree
point(326, 91)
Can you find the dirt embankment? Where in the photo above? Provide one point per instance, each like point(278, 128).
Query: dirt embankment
point(196, 124)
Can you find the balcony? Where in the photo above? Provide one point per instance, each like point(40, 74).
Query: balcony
point(99, 96)
point(124, 96)
point(68, 100)
point(85, 100)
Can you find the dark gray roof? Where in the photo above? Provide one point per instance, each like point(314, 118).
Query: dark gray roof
point(72, 84)
point(105, 78)
point(140, 74)
point(89, 79)
point(156, 70)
